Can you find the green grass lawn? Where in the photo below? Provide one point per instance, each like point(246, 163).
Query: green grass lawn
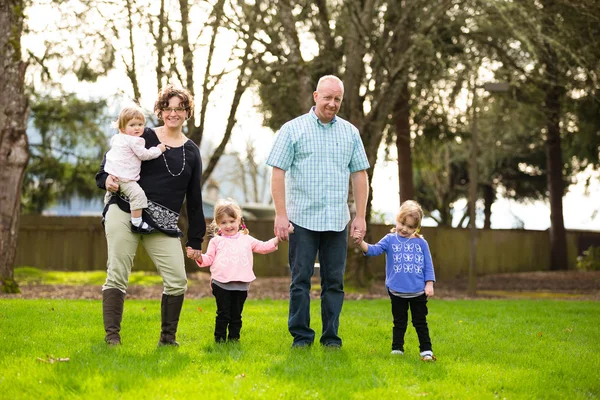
point(31, 275)
point(486, 349)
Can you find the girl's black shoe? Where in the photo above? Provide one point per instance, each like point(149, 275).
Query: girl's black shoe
point(139, 229)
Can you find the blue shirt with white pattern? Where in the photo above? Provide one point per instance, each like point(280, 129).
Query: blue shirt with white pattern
point(318, 159)
point(408, 263)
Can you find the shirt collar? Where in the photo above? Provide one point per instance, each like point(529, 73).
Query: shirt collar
point(314, 116)
point(237, 235)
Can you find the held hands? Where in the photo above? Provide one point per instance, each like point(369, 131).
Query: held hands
point(357, 237)
point(194, 254)
point(162, 147)
point(281, 228)
point(290, 230)
point(358, 230)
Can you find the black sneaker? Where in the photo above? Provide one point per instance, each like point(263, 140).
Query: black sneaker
point(171, 342)
point(301, 345)
point(139, 229)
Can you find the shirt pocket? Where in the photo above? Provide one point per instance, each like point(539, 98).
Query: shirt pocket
point(310, 147)
point(341, 151)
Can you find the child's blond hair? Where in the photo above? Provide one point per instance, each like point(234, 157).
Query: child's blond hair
point(227, 208)
point(127, 114)
point(410, 208)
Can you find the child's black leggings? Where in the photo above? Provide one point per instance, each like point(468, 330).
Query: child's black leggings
point(230, 304)
point(418, 310)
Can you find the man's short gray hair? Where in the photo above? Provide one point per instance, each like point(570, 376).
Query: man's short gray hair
point(330, 78)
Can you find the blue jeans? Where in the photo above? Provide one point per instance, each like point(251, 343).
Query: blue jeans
point(303, 248)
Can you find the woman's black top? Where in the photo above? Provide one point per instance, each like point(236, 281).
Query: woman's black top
point(167, 181)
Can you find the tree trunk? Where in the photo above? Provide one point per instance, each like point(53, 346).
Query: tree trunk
point(402, 122)
point(359, 17)
point(131, 68)
point(244, 80)
point(290, 33)
point(558, 236)
point(553, 95)
point(160, 46)
point(488, 199)
point(197, 133)
point(14, 147)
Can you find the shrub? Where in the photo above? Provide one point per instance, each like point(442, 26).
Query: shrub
point(590, 260)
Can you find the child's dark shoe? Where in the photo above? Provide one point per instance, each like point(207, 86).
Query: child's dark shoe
point(140, 229)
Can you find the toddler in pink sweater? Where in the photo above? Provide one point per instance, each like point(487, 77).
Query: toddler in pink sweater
point(124, 162)
point(229, 256)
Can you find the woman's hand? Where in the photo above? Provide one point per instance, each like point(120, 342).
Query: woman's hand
point(193, 254)
point(112, 183)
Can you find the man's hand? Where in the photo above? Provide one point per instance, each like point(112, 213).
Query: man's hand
point(281, 227)
point(193, 254)
point(358, 230)
point(112, 183)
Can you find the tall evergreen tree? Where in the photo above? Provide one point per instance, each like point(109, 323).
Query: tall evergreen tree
point(68, 138)
point(552, 54)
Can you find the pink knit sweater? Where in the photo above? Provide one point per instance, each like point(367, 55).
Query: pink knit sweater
point(230, 257)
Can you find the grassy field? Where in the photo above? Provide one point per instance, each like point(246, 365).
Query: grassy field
point(30, 275)
point(486, 350)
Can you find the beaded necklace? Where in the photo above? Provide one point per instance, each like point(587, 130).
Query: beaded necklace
point(182, 166)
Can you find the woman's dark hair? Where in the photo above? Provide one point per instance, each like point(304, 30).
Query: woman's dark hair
point(166, 93)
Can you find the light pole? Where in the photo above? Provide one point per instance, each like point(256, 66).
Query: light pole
point(473, 178)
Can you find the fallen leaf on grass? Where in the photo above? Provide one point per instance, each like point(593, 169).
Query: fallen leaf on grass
point(240, 376)
point(143, 309)
point(569, 330)
point(52, 360)
point(539, 334)
point(200, 309)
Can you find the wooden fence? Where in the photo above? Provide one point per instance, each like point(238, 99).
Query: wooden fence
point(78, 244)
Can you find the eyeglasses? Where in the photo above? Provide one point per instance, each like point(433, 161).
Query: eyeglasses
point(168, 110)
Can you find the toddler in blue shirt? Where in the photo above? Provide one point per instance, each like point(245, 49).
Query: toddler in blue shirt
point(409, 276)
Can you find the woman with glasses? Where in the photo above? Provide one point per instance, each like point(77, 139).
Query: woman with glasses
point(167, 181)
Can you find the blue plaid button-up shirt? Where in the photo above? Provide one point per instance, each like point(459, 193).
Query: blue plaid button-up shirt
point(318, 159)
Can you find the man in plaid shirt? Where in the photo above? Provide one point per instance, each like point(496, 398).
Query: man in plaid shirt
point(313, 158)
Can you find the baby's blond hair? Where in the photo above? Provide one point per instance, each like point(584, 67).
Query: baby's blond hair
point(127, 114)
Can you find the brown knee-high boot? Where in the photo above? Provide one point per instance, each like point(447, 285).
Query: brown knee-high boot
point(112, 311)
point(170, 308)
